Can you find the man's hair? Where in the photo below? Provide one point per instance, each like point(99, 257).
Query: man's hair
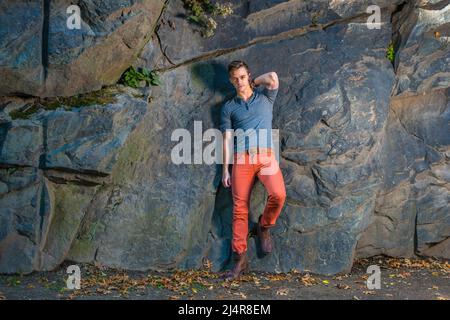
point(236, 64)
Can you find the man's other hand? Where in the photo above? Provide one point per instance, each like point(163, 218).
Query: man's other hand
point(226, 179)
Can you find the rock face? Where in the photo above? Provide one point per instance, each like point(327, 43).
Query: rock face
point(52, 166)
point(364, 143)
point(412, 213)
point(41, 56)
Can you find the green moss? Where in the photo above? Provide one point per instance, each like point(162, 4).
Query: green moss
point(128, 156)
point(24, 113)
point(133, 77)
point(390, 52)
point(11, 170)
point(100, 97)
point(83, 247)
point(201, 13)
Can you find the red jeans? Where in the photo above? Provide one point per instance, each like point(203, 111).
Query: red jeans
point(246, 167)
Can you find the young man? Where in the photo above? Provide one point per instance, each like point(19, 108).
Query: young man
point(250, 111)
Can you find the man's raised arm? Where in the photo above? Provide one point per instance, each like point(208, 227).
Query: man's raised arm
point(269, 80)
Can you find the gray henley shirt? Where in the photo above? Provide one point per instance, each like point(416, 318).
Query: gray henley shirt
point(252, 115)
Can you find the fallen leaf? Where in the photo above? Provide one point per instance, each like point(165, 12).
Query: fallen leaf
point(242, 295)
point(308, 281)
point(282, 292)
point(369, 292)
point(342, 286)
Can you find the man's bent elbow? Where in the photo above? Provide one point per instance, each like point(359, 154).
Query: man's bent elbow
point(274, 83)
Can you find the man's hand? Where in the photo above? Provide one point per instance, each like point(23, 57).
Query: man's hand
point(226, 178)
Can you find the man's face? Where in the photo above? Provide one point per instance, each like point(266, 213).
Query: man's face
point(240, 79)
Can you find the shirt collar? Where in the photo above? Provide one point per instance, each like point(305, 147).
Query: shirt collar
point(252, 97)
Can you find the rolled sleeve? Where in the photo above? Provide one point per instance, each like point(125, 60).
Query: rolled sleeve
point(270, 94)
point(225, 119)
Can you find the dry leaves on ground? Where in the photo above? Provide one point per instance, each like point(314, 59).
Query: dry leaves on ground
point(181, 282)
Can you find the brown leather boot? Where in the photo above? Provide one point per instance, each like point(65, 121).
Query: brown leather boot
point(264, 237)
point(241, 265)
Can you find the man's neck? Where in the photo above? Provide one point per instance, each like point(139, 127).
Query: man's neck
point(246, 94)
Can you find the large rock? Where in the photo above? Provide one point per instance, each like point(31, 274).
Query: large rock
point(41, 56)
point(21, 218)
point(364, 147)
point(413, 208)
point(51, 166)
point(423, 57)
point(178, 41)
point(22, 143)
point(155, 214)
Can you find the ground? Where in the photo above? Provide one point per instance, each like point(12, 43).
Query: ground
point(400, 279)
